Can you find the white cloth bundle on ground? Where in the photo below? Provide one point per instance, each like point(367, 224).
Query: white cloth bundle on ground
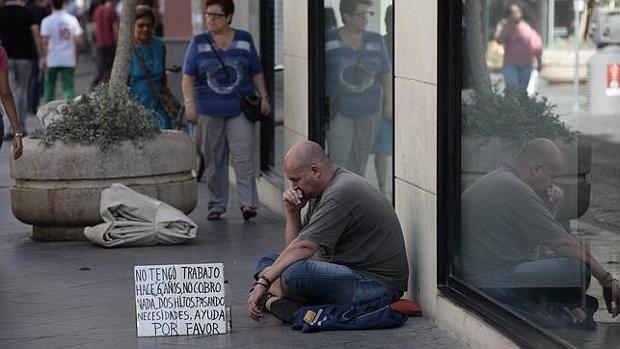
point(133, 219)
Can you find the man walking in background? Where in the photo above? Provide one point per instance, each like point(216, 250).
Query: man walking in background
point(105, 22)
point(61, 39)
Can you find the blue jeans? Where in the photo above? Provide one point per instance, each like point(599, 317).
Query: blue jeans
point(328, 283)
point(517, 77)
point(551, 278)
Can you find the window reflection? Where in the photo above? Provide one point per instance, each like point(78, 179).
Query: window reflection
point(539, 208)
point(358, 84)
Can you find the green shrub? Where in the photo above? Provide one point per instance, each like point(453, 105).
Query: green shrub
point(513, 117)
point(103, 117)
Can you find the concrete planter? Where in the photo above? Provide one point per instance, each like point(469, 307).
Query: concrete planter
point(482, 155)
point(559, 65)
point(56, 189)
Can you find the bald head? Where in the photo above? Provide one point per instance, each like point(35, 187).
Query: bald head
point(305, 154)
point(540, 150)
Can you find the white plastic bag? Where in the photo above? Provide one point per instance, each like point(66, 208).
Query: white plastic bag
point(532, 85)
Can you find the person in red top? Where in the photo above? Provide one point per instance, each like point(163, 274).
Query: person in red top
point(9, 105)
point(522, 46)
point(106, 33)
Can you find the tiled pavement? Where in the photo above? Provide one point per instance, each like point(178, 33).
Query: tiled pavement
point(77, 295)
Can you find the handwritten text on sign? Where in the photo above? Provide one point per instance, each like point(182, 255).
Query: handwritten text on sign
point(180, 299)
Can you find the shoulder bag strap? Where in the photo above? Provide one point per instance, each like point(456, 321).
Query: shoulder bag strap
point(217, 54)
point(147, 72)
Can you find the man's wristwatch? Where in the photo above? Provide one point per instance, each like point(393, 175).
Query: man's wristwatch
point(17, 134)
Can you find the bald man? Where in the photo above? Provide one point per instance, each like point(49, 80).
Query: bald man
point(350, 229)
point(507, 218)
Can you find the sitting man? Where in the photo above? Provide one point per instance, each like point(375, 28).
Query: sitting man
point(512, 246)
point(349, 225)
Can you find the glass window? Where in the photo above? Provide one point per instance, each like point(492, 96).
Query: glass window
point(358, 88)
point(540, 134)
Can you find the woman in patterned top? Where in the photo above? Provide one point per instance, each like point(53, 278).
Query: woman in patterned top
point(221, 67)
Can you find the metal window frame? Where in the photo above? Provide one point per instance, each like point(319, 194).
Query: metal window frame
point(449, 81)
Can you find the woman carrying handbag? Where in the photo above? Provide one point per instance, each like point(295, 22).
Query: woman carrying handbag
point(221, 69)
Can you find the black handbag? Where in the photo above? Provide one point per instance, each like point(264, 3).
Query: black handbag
point(251, 105)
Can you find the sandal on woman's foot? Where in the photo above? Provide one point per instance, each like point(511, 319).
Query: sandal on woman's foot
point(214, 216)
point(248, 212)
point(284, 309)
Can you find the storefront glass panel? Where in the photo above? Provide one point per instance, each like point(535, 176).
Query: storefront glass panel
point(540, 184)
point(358, 88)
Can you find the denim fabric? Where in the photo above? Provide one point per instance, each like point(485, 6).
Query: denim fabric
point(376, 314)
point(328, 283)
point(1, 130)
point(544, 273)
point(517, 77)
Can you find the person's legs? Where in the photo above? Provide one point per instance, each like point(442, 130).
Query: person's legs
point(524, 74)
point(240, 136)
point(19, 76)
point(365, 134)
point(50, 83)
point(329, 283)
point(340, 140)
point(555, 278)
point(511, 75)
point(100, 66)
point(215, 148)
point(66, 76)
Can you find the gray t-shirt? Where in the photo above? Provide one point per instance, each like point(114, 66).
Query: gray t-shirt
point(356, 226)
point(503, 222)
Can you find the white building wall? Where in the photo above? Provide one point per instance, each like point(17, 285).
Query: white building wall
point(416, 169)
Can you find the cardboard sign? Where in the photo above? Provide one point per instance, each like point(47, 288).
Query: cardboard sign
point(613, 80)
point(180, 299)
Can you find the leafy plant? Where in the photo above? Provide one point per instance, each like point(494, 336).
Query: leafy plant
point(513, 116)
point(104, 117)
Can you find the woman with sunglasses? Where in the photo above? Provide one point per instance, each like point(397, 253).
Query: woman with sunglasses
point(9, 105)
point(222, 66)
point(358, 85)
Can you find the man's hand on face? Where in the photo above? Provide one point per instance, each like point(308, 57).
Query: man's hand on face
point(554, 194)
point(294, 199)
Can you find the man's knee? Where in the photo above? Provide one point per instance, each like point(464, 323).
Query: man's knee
point(293, 273)
point(264, 262)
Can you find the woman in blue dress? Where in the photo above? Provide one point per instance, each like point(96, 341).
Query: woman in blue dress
point(152, 52)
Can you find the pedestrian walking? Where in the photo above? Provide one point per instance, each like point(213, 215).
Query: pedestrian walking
point(61, 35)
point(105, 22)
point(522, 46)
point(147, 74)
point(9, 105)
point(19, 31)
point(221, 67)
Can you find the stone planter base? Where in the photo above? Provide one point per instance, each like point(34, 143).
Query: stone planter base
point(57, 188)
point(58, 233)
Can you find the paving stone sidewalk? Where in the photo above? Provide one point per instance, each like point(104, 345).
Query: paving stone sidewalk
point(77, 295)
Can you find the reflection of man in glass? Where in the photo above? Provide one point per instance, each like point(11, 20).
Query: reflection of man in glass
point(358, 83)
point(507, 219)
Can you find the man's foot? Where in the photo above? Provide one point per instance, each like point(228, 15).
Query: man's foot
point(214, 216)
point(248, 212)
point(282, 308)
